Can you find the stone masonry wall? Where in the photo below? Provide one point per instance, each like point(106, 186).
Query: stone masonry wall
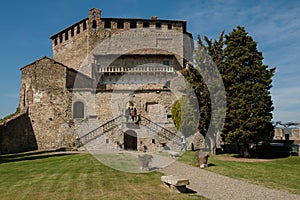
point(44, 93)
point(72, 45)
point(17, 135)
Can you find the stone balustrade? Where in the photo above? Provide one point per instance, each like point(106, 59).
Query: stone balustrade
point(139, 69)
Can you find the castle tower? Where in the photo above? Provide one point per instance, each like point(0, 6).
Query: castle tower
point(94, 18)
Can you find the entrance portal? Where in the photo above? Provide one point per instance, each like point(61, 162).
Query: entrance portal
point(130, 140)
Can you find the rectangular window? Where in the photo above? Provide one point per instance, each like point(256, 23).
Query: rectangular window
point(166, 62)
point(169, 26)
point(133, 24)
point(146, 25)
point(107, 24)
point(55, 41)
point(120, 24)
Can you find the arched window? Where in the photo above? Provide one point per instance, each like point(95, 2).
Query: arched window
point(78, 110)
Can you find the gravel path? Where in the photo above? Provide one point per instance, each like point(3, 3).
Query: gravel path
point(215, 186)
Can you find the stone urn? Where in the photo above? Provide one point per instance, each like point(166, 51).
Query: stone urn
point(145, 160)
point(203, 158)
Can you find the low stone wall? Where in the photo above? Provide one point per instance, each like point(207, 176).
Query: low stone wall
point(16, 135)
point(293, 134)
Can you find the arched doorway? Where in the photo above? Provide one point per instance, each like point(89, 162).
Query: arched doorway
point(130, 140)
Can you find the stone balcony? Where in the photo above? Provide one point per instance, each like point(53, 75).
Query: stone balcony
point(138, 69)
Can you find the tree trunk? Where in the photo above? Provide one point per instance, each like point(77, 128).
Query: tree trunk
point(246, 153)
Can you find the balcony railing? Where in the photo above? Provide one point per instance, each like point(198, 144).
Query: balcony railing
point(139, 69)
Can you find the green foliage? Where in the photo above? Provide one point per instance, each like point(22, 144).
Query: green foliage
point(184, 115)
point(247, 82)
point(10, 115)
point(202, 100)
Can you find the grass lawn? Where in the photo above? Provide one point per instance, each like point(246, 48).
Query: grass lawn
point(281, 173)
point(46, 175)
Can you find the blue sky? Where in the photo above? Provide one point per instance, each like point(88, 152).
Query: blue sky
point(27, 25)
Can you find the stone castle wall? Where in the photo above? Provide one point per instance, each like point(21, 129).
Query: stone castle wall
point(17, 135)
point(44, 94)
point(294, 133)
point(72, 45)
point(51, 87)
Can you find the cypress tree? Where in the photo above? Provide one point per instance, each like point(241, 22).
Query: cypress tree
point(247, 82)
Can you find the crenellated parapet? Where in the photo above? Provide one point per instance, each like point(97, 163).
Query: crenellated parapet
point(73, 44)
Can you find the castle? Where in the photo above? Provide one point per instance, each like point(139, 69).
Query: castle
point(110, 84)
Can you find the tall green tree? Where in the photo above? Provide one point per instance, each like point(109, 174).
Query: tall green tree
point(206, 83)
point(247, 82)
point(202, 100)
point(184, 115)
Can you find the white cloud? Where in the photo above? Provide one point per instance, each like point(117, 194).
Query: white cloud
point(275, 25)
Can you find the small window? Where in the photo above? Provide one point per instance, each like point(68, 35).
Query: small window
point(120, 24)
point(94, 25)
point(158, 25)
point(66, 35)
point(146, 25)
point(166, 62)
point(55, 41)
point(94, 14)
point(153, 141)
point(84, 25)
point(78, 29)
point(78, 110)
point(107, 24)
point(72, 32)
point(170, 26)
point(133, 24)
point(60, 38)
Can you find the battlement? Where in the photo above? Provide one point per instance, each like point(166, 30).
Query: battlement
point(95, 23)
point(71, 45)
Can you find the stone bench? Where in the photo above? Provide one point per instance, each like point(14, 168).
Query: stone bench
point(175, 183)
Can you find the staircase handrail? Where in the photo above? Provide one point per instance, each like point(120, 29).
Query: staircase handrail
point(161, 127)
point(85, 135)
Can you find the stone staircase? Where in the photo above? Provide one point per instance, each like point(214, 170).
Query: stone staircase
point(115, 124)
point(101, 130)
point(162, 132)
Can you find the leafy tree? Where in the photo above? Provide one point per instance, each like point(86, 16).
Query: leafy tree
point(202, 100)
point(184, 116)
point(247, 82)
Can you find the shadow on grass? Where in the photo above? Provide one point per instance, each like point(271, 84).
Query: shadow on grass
point(31, 156)
point(186, 190)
